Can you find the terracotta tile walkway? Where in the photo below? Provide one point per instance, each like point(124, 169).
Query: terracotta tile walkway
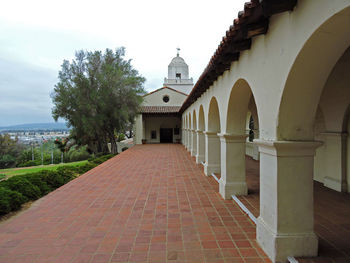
point(332, 217)
point(151, 203)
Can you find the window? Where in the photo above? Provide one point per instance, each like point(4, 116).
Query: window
point(178, 75)
point(153, 134)
point(166, 98)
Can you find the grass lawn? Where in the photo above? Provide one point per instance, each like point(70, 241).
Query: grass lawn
point(33, 169)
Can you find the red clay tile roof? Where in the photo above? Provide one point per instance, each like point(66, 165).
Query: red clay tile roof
point(160, 109)
point(253, 21)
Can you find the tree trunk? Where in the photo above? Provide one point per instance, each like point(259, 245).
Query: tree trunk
point(114, 148)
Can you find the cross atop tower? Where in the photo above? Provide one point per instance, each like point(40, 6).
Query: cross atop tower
point(178, 50)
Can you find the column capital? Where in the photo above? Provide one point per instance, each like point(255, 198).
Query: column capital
point(230, 137)
point(199, 131)
point(335, 134)
point(210, 133)
point(288, 148)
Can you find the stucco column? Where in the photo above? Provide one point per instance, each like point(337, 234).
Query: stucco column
point(200, 156)
point(194, 143)
point(335, 162)
point(185, 138)
point(138, 129)
point(189, 140)
point(285, 226)
point(256, 133)
point(212, 153)
point(233, 176)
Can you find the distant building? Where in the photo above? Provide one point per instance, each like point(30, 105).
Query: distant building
point(160, 120)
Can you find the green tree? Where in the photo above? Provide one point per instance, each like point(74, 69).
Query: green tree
point(98, 94)
point(9, 151)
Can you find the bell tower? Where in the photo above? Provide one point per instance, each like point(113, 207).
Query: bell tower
point(178, 77)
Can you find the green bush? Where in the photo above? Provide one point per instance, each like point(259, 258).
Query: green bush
point(20, 188)
point(38, 180)
point(77, 154)
point(120, 137)
point(23, 186)
point(68, 173)
point(53, 179)
point(10, 200)
point(7, 161)
point(2, 176)
point(102, 159)
point(29, 163)
point(4, 203)
point(86, 167)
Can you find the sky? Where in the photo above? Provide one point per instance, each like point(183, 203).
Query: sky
point(37, 35)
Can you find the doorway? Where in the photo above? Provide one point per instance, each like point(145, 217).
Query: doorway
point(166, 135)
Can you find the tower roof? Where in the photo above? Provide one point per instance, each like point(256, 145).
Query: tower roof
point(177, 61)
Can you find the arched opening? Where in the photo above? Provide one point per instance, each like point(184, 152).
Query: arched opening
point(346, 129)
point(212, 140)
point(235, 142)
point(213, 116)
point(330, 165)
point(194, 134)
point(308, 75)
point(184, 137)
point(200, 157)
point(318, 79)
point(189, 134)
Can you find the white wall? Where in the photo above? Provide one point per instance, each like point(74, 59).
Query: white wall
point(155, 123)
point(266, 66)
point(156, 98)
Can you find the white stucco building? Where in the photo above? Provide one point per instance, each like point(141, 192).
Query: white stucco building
point(285, 66)
point(160, 119)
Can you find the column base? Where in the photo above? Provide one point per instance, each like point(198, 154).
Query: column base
point(199, 158)
point(334, 184)
point(211, 168)
point(193, 152)
point(228, 189)
point(280, 246)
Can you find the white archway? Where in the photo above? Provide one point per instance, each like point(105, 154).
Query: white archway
point(212, 141)
point(200, 156)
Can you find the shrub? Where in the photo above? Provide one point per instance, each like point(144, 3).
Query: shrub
point(4, 203)
point(29, 163)
point(38, 180)
point(77, 154)
point(53, 179)
point(2, 176)
point(68, 173)
point(23, 186)
point(10, 200)
point(20, 188)
point(120, 137)
point(102, 159)
point(86, 167)
point(7, 161)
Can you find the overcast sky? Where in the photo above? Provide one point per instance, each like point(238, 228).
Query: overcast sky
point(36, 36)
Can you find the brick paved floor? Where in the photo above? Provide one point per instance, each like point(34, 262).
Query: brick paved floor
point(332, 217)
point(151, 203)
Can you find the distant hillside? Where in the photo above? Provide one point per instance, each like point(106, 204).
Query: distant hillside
point(36, 126)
